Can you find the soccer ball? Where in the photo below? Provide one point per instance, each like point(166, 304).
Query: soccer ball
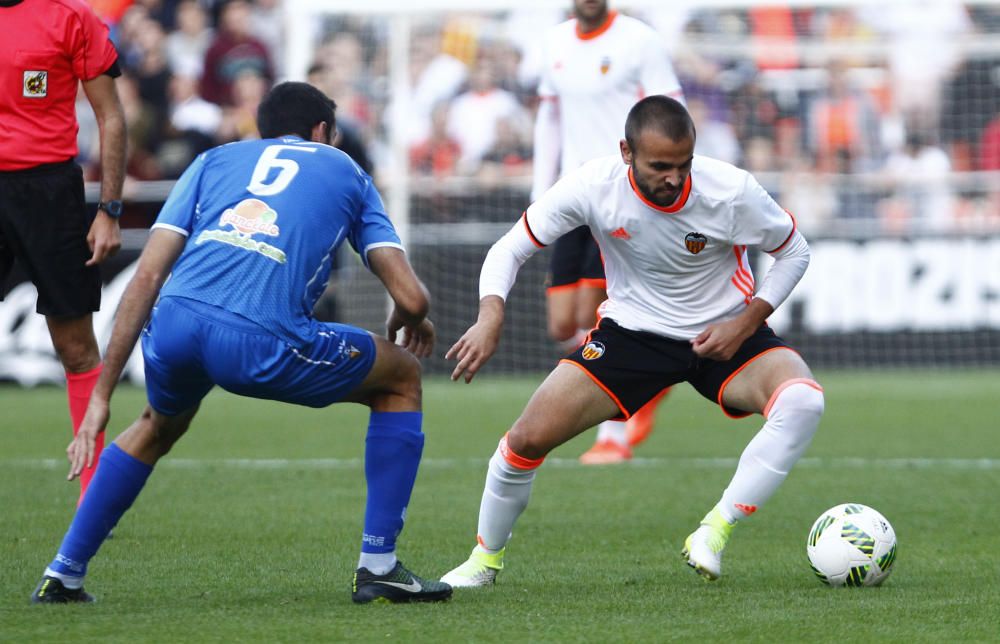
point(851, 545)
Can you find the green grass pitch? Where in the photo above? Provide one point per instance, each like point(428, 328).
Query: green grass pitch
point(249, 530)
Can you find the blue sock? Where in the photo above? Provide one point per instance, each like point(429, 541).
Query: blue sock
point(118, 480)
point(392, 456)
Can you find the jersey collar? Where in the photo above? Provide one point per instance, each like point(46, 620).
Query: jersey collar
point(590, 35)
point(674, 207)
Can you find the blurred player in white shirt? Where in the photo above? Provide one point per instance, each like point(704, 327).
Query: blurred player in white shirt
point(682, 306)
point(595, 67)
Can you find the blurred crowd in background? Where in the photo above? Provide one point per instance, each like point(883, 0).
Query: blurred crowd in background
point(874, 112)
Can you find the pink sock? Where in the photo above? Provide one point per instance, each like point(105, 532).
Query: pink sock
point(78, 388)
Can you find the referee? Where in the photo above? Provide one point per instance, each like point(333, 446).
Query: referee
point(47, 48)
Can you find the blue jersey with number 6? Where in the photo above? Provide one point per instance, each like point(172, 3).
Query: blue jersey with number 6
point(263, 220)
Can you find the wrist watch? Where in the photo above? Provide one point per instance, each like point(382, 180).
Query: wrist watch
point(113, 208)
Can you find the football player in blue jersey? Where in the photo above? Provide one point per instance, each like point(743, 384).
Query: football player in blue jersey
point(247, 236)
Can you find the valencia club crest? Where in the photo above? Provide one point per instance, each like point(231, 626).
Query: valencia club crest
point(695, 242)
point(592, 350)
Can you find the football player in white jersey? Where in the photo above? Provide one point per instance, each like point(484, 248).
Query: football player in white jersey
point(596, 66)
point(682, 306)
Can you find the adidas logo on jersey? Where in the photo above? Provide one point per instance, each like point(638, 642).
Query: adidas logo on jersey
point(620, 233)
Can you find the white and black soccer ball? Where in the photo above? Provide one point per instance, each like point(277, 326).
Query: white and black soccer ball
point(851, 545)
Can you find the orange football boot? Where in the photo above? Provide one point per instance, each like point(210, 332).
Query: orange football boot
point(606, 452)
point(640, 425)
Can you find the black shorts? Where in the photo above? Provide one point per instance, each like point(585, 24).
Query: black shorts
point(576, 261)
point(634, 366)
point(44, 224)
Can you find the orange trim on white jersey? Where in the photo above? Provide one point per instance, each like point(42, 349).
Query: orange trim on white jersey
point(785, 385)
point(600, 384)
point(747, 295)
point(725, 383)
point(604, 26)
point(517, 461)
point(531, 235)
point(677, 205)
point(742, 279)
point(787, 239)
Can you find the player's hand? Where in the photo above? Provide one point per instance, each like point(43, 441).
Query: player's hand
point(417, 339)
point(721, 341)
point(474, 348)
point(81, 450)
point(104, 238)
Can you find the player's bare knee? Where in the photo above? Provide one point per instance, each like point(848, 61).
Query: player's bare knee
point(562, 330)
point(77, 356)
point(74, 343)
point(527, 442)
point(406, 385)
point(162, 432)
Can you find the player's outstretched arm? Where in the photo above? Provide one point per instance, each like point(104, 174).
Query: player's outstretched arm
point(479, 343)
point(410, 298)
point(162, 250)
point(495, 281)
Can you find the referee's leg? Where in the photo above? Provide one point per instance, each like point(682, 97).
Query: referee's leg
point(76, 346)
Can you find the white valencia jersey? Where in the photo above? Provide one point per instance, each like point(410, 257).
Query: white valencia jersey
point(671, 271)
point(597, 77)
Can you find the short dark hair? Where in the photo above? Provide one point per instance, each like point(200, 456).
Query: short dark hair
point(295, 108)
point(662, 113)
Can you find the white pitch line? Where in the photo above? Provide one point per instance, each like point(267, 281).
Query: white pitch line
point(569, 463)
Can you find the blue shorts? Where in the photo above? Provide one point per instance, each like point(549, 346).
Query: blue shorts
point(189, 347)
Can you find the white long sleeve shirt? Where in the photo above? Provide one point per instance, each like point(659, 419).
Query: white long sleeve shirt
point(671, 271)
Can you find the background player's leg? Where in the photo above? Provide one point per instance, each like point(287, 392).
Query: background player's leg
point(123, 472)
point(780, 386)
point(76, 346)
point(640, 424)
point(560, 307)
point(565, 404)
point(612, 443)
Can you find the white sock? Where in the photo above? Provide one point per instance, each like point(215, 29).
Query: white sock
point(69, 581)
point(378, 563)
point(791, 422)
point(505, 496)
point(614, 431)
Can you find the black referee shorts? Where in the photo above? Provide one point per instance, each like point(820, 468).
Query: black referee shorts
point(633, 366)
point(576, 261)
point(44, 224)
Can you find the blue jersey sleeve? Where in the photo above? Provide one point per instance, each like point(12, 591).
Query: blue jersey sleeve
point(181, 208)
point(372, 228)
